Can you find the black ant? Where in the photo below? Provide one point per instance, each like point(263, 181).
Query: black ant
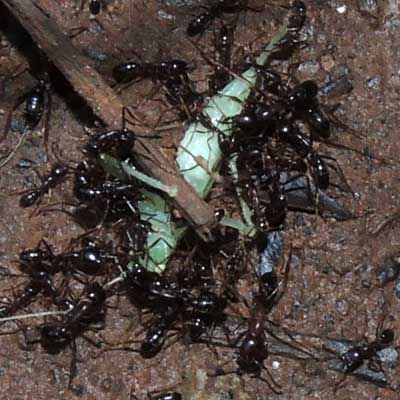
point(40, 281)
point(223, 47)
point(90, 309)
point(157, 331)
point(129, 71)
point(302, 101)
point(205, 310)
point(302, 145)
point(355, 356)
point(297, 19)
point(200, 23)
point(91, 259)
point(180, 91)
point(91, 186)
point(151, 288)
point(253, 350)
point(35, 100)
point(50, 181)
point(294, 26)
point(118, 142)
point(37, 259)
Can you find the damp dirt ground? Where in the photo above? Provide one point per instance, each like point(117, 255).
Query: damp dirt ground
point(333, 288)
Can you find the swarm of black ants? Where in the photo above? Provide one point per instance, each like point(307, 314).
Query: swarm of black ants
point(278, 170)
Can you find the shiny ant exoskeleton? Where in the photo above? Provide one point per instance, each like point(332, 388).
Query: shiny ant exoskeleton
point(294, 26)
point(50, 181)
point(223, 47)
point(116, 142)
point(252, 343)
point(35, 103)
point(180, 91)
point(91, 259)
point(202, 312)
point(80, 315)
point(130, 71)
point(253, 349)
point(156, 333)
point(304, 104)
point(151, 289)
point(355, 356)
point(39, 282)
point(111, 197)
point(166, 396)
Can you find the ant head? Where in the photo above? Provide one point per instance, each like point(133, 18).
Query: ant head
point(59, 169)
point(386, 337)
point(299, 7)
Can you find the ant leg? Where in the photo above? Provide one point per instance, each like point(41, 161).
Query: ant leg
point(285, 277)
point(221, 372)
point(73, 370)
point(127, 112)
point(339, 384)
point(47, 246)
point(274, 386)
point(330, 111)
point(74, 32)
point(336, 167)
point(91, 341)
point(123, 87)
point(299, 346)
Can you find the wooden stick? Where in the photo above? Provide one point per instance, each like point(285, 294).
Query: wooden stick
point(107, 105)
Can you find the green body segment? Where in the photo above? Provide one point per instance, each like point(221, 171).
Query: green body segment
point(199, 154)
point(198, 160)
point(163, 236)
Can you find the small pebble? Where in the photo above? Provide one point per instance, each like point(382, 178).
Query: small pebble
point(24, 163)
point(341, 9)
point(309, 68)
point(337, 87)
point(17, 124)
point(96, 54)
point(388, 355)
point(327, 62)
point(163, 15)
point(374, 82)
point(275, 364)
point(342, 307)
point(343, 70)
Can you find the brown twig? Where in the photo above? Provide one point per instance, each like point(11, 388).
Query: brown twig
point(108, 107)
